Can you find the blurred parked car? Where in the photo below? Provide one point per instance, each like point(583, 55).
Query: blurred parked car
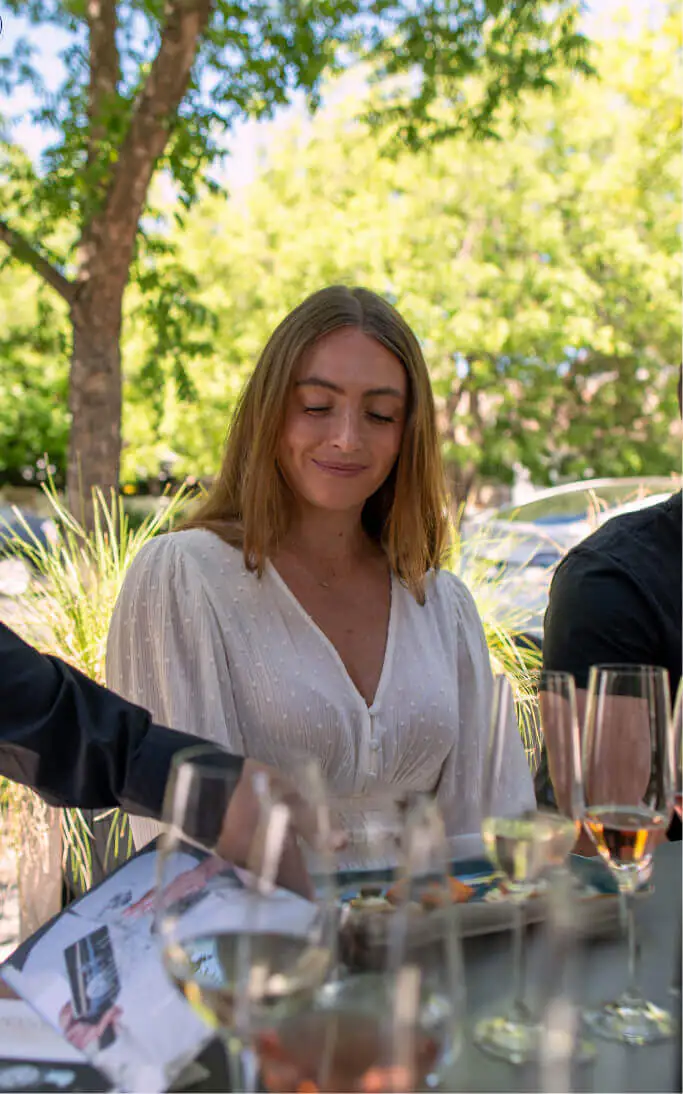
point(22, 524)
point(26, 527)
point(523, 543)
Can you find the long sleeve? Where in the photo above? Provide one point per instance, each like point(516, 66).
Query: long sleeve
point(460, 784)
point(165, 650)
point(74, 742)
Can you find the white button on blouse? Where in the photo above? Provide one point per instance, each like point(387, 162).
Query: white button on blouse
point(209, 648)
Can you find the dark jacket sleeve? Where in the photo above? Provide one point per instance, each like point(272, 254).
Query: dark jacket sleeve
point(75, 742)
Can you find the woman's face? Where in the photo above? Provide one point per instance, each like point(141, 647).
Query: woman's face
point(344, 421)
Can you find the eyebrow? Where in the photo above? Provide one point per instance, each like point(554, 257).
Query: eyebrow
point(318, 381)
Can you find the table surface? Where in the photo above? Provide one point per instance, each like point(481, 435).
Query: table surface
point(602, 973)
point(601, 970)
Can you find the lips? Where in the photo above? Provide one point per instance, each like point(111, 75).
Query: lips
point(344, 470)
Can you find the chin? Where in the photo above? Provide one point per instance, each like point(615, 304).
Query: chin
point(337, 499)
point(337, 502)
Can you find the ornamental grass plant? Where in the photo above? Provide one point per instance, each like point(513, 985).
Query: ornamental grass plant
point(65, 611)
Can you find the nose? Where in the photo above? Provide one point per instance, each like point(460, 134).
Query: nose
point(347, 436)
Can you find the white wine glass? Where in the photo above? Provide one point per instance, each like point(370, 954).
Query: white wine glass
point(522, 842)
point(628, 785)
point(391, 1017)
point(235, 941)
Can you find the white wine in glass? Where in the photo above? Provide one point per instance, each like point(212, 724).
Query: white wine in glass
point(286, 971)
point(234, 942)
point(522, 847)
point(628, 786)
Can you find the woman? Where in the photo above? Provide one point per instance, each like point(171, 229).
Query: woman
point(302, 610)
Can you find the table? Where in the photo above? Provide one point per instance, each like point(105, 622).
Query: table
point(603, 968)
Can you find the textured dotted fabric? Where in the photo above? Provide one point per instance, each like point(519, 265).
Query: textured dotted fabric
point(211, 649)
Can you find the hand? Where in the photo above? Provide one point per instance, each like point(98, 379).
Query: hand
point(80, 1033)
point(243, 817)
point(190, 881)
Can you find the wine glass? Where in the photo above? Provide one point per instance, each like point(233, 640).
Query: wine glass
point(560, 728)
point(678, 749)
point(562, 974)
point(677, 725)
point(522, 842)
point(389, 1019)
point(628, 787)
point(231, 936)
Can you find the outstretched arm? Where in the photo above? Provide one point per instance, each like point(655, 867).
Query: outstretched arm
point(75, 742)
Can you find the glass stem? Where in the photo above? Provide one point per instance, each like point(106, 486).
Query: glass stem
point(240, 1073)
point(676, 979)
point(630, 908)
point(519, 1007)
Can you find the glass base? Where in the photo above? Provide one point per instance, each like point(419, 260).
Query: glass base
point(631, 1020)
point(512, 1039)
point(519, 1041)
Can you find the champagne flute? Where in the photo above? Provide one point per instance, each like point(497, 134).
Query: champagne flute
point(561, 1021)
point(678, 749)
point(335, 1042)
point(628, 787)
point(521, 843)
point(678, 801)
point(390, 1019)
point(229, 933)
point(560, 728)
point(426, 952)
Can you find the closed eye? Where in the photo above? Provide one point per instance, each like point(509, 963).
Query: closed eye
point(316, 410)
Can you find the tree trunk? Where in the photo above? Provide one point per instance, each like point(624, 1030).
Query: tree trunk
point(107, 240)
point(94, 397)
point(460, 481)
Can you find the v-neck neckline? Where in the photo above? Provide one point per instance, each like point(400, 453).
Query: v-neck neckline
point(372, 707)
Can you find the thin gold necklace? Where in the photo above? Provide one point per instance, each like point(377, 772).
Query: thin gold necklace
point(309, 572)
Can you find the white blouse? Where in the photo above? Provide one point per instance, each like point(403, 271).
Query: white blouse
point(209, 648)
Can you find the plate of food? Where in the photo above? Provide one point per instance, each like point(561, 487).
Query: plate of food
point(482, 899)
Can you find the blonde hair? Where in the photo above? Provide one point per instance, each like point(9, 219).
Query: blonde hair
point(249, 503)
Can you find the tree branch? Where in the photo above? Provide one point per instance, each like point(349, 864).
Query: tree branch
point(104, 67)
point(150, 127)
point(25, 252)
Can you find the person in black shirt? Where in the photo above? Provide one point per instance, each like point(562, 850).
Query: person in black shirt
point(616, 598)
point(77, 744)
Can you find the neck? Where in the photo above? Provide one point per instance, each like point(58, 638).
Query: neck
point(331, 538)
